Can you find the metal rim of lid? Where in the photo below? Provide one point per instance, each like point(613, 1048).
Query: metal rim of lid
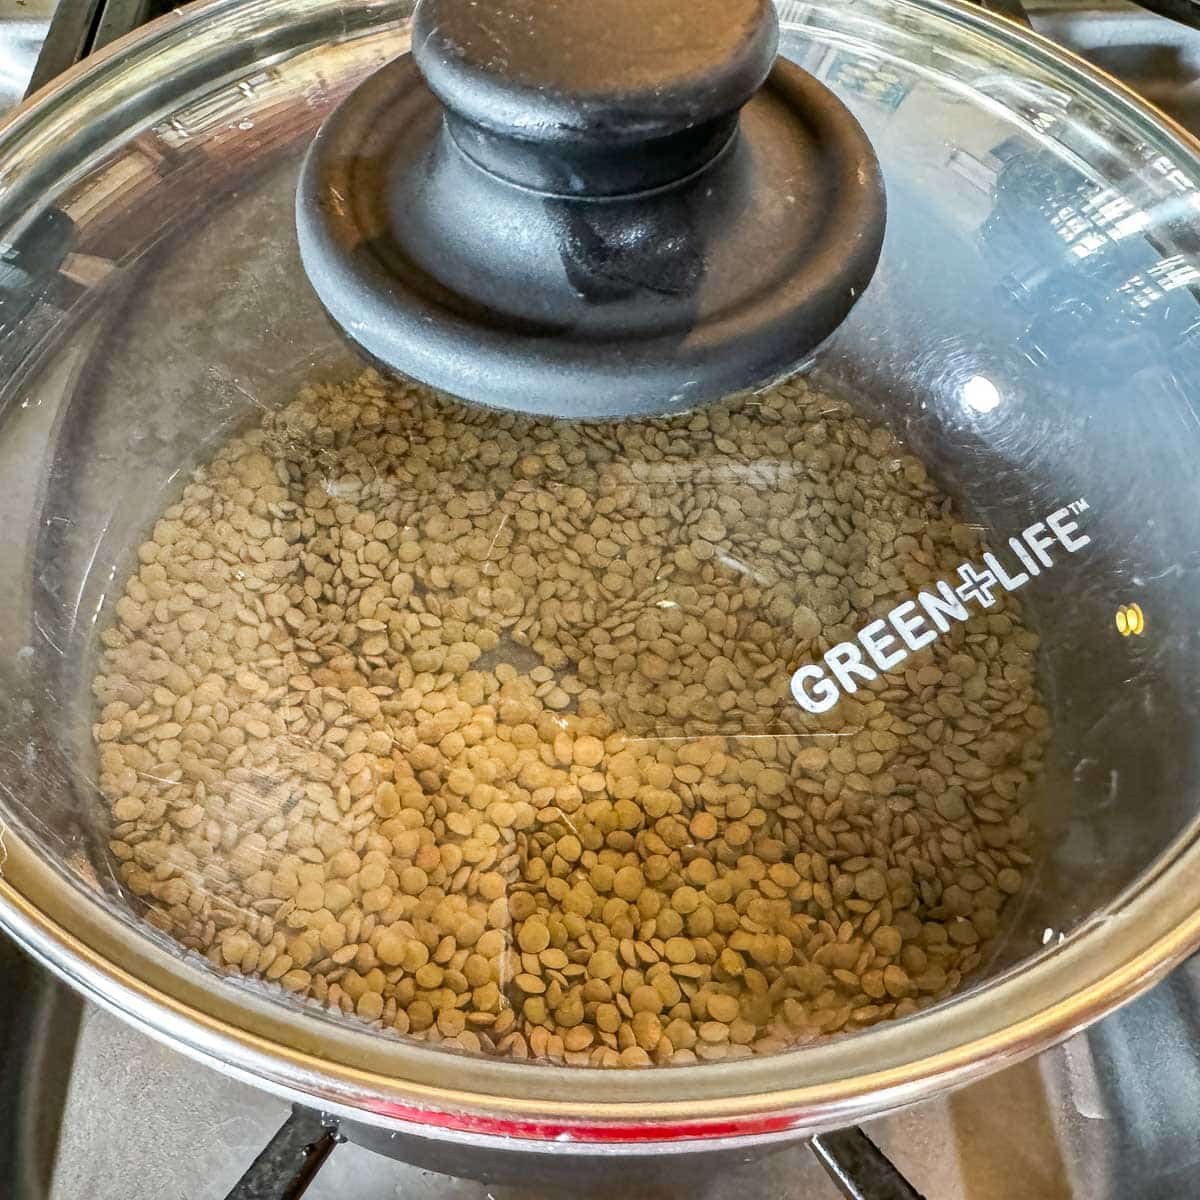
point(1042, 1002)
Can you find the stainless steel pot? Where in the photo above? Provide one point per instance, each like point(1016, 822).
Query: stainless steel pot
point(1041, 240)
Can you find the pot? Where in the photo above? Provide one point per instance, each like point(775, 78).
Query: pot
point(1027, 338)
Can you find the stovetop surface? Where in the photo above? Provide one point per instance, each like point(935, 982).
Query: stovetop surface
point(90, 1109)
point(1109, 1115)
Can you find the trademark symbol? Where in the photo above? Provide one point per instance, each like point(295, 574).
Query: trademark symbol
point(1078, 506)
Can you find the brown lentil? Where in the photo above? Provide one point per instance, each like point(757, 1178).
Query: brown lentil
point(436, 716)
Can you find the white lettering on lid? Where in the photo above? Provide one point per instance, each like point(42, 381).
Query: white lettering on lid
point(909, 627)
point(845, 661)
point(876, 638)
point(813, 691)
point(846, 667)
point(1063, 527)
point(1038, 540)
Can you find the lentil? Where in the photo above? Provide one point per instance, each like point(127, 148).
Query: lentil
point(433, 715)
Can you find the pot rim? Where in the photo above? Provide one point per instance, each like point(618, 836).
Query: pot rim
point(237, 1029)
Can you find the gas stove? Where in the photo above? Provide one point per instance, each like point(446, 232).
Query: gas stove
point(92, 1108)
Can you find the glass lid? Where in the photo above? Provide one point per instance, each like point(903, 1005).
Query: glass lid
point(840, 726)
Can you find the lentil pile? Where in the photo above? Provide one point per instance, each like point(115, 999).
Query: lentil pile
point(478, 726)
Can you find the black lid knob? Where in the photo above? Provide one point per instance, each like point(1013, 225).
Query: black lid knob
point(586, 227)
point(555, 94)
